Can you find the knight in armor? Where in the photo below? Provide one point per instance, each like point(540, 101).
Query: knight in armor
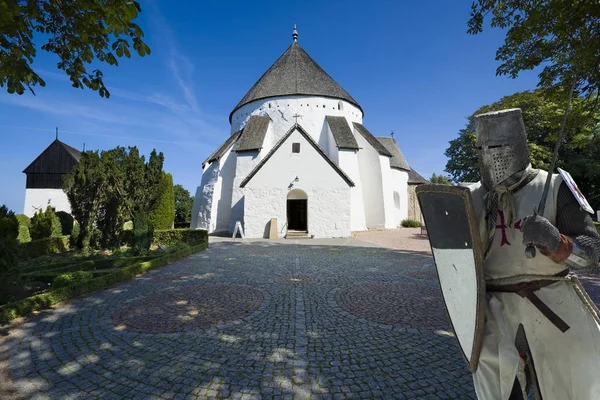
point(542, 331)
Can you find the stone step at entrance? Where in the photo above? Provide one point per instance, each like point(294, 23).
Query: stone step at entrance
point(291, 234)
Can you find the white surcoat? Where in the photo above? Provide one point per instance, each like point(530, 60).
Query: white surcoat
point(567, 364)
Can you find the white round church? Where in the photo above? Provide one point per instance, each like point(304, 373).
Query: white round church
point(299, 155)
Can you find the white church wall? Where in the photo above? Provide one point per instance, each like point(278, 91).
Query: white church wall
point(40, 199)
point(330, 146)
point(245, 163)
point(224, 190)
point(202, 210)
point(311, 110)
point(387, 185)
point(348, 162)
point(329, 198)
point(372, 184)
point(400, 195)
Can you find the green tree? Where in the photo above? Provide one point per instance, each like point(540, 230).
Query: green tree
point(9, 255)
point(24, 222)
point(163, 215)
point(142, 191)
point(80, 33)
point(183, 204)
point(85, 187)
point(440, 180)
point(44, 225)
point(113, 213)
point(560, 35)
point(542, 117)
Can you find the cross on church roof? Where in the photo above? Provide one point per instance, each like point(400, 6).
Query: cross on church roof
point(392, 134)
point(296, 116)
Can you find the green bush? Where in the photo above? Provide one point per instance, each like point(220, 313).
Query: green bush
point(410, 223)
point(172, 237)
point(41, 247)
point(70, 278)
point(24, 221)
point(74, 235)
point(96, 239)
point(9, 252)
point(44, 225)
point(142, 233)
point(163, 215)
point(66, 222)
point(38, 302)
point(597, 226)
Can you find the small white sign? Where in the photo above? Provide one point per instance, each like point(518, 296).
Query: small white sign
point(575, 190)
point(238, 228)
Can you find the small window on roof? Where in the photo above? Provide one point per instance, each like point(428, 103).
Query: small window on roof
point(295, 147)
point(340, 106)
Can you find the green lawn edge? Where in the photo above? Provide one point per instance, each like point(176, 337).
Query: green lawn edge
point(27, 306)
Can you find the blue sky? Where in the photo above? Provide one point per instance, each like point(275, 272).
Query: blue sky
point(411, 65)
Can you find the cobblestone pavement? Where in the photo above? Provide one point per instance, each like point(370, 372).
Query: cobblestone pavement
point(257, 319)
point(283, 319)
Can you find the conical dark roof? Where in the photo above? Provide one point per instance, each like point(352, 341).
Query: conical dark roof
point(295, 73)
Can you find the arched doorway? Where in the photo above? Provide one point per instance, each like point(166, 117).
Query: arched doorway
point(297, 207)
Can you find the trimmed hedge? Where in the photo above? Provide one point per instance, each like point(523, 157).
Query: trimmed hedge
point(410, 223)
point(170, 237)
point(42, 247)
point(38, 302)
point(48, 274)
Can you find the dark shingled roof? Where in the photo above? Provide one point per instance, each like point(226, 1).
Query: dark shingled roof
point(310, 140)
point(397, 161)
point(253, 134)
point(220, 152)
point(344, 139)
point(58, 158)
point(371, 139)
point(415, 179)
point(295, 72)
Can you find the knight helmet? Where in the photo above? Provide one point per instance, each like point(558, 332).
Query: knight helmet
point(501, 145)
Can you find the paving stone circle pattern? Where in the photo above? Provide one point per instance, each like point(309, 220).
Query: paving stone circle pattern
point(192, 307)
point(318, 319)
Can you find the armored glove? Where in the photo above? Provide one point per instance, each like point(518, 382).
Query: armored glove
point(538, 231)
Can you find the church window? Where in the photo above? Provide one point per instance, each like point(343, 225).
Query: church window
point(340, 106)
point(295, 147)
point(269, 105)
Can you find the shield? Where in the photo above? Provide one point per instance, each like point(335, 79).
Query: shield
point(458, 255)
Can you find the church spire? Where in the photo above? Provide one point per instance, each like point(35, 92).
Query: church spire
point(295, 34)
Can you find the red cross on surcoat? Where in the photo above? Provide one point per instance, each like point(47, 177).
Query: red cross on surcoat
point(503, 227)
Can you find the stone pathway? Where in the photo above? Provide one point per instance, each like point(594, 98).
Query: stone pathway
point(250, 320)
point(303, 319)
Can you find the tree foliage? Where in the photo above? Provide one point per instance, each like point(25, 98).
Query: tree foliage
point(184, 203)
point(542, 117)
point(9, 268)
point(44, 225)
point(560, 35)
point(440, 179)
point(164, 214)
point(24, 222)
point(79, 32)
point(109, 188)
point(85, 187)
